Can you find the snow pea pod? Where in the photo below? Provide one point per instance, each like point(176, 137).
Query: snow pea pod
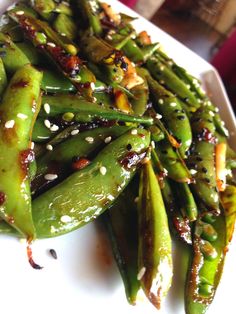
point(44, 7)
point(66, 207)
point(154, 248)
point(13, 58)
point(3, 78)
point(19, 109)
point(209, 244)
point(31, 53)
point(85, 111)
point(65, 26)
point(55, 82)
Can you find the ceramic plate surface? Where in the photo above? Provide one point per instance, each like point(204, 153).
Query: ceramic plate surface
point(84, 278)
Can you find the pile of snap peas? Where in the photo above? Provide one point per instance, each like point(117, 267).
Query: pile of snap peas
point(96, 120)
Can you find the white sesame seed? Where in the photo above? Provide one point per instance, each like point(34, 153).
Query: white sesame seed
point(20, 12)
point(103, 170)
point(32, 145)
point(136, 199)
point(49, 147)
point(153, 144)
point(107, 139)
point(50, 177)
point(165, 171)
point(162, 68)
point(89, 139)
point(22, 116)
point(51, 45)
point(217, 109)
point(54, 128)
point(9, 124)
point(47, 123)
point(46, 108)
point(193, 171)
point(110, 197)
point(74, 132)
point(141, 273)
point(63, 34)
point(65, 219)
point(162, 82)
point(173, 104)
point(188, 86)
point(158, 116)
point(161, 101)
point(92, 85)
point(134, 132)
point(211, 113)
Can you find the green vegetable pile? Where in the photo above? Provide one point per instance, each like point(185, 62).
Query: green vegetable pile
point(95, 117)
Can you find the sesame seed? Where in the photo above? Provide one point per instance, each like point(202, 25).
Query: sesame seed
point(158, 116)
point(49, 147)
point(136, 199)
point(92, 85)
point(141, 273)
point(162, 68)
point(74, 132)
point(211, 113)
point(107, 139)
point(89, 139)
point(9, 124)
point(193, 171)
point(153, 144)
point(103, 170)
point(51, 45)
point(188, 86)
point(65, 219)
point(50, 177)
point(22, 116)
point(217, 109)
point(47, 123)
point(32, 145)
point(46, 108)
point(20, 12)
point(162, 82)
point(54, 128)
point(134, 132)
point(161, 101)
point(110, 197)
point(173, 104)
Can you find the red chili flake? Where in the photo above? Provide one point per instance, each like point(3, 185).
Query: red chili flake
point(80, 163)
point(20, 84)
point(2, 198)
point(30, 258)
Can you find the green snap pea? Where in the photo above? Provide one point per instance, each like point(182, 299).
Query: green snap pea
point(40, 132)
point(154, 248)
point(19, 109)
point(3, 78)
point(65, 26)
point(55, 82)
point(66, 207)
point(31, 53)
point(44, 7)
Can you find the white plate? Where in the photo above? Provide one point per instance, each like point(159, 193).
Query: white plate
point(84, 278)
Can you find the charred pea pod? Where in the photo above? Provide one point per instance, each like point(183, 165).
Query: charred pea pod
point(56, 82)
point(121, 101)
point(84, 111)
point(228, 201)
point(45, 8)
point(201, 163)
point(3, 78)
point(156, 133)
point(173, 114)
point(40, 132)
point(89, 10)
point(122, 224)
point(186, 201)
point(180, 225)
point(140, 97)
point(65, 26)
point(19, 109)
point(61, 52)
point(31, 53)
point(139, 54)
point(154, 248)
point(13, 58)
point(205, 269)
point(119, 38)
point(66, 207)
point(172, 162)
point(72, 154)
point(63, 8)
point(170, 80)
point(109, 60)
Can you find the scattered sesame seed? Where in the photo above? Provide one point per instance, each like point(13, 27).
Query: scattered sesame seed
point(9, 124)
point(162, 68)
point(136, 199)
point(217, 109)
point(74, 132)
point(161, 101)
point(107, 139)
point(110, 197)
point(50, 177)
point(46, 108)
point(141, 273)
point(162, 82)
point(47, 123)
point(22, 116)
point(92, 85)
point(54, 128)
point(49, 147)
point(51, 45)
point(32, 145)
point(20, 12)
point(63, 34)
point(153, 144)
point(65, 219)
point(188, 86)
point(89, 139)
point(211, 113)
point(134, 132)
point(103, 170)
point(193, 171)
point(173, 104)
point(165, 171)
point(158, 116)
